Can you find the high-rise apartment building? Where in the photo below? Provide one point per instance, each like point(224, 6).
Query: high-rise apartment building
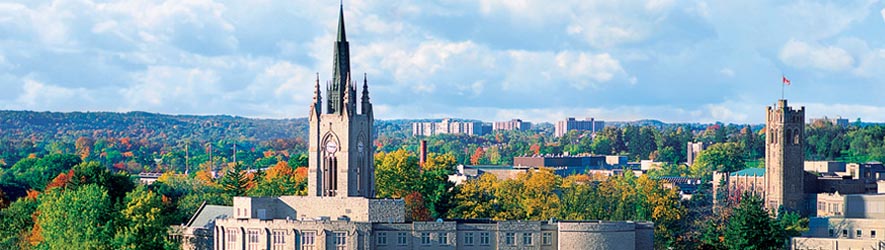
point(588, 124)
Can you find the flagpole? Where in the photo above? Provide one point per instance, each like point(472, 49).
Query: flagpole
point(782, 86)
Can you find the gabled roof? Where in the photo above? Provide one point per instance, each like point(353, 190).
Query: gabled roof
point(207, 214)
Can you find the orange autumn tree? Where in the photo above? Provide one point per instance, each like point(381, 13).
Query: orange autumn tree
point(477, 157)
point(415, 208)
point(281, 179)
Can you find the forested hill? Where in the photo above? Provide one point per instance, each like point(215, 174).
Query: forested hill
point(16, 125)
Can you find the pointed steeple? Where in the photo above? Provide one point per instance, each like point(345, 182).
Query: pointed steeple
point(317, 100)
point(340, 68)
point(366, 105)
point(365, 88)
point(342, 37)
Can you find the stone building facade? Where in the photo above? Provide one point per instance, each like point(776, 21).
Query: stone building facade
point(785, 158)
point(692, 150)
point(471, 235)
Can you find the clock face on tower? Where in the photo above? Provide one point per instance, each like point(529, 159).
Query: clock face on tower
point(359, 147)
point(331, 147)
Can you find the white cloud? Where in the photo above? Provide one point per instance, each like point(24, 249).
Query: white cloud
point(805, 55)
point(883, 14)
point(477, 59)
point(38, 95)
point(585, 69)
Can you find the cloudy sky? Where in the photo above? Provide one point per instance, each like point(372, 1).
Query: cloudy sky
point(676, 61)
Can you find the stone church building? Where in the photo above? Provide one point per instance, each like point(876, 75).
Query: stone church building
point(340, 211)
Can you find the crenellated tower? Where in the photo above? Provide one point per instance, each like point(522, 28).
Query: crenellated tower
point(341, 152)
point(785, 158)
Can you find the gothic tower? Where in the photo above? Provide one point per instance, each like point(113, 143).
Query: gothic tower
point(341, 153)
point(784, 158)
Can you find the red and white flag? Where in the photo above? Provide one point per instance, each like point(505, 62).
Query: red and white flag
point(785, 80)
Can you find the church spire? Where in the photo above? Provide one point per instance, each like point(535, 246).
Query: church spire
point(340, 68)
point(342, 37)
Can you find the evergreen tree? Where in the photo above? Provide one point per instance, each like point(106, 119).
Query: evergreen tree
point(234, 182)
point(751, 227)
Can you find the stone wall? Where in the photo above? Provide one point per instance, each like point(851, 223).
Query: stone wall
point(597, 235)
point(308, 207)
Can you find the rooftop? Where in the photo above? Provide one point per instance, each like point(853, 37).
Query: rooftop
point(750, 172)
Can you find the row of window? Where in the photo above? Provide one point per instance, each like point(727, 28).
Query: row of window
point(857, 233)
point(278, 239)
point(442, 238)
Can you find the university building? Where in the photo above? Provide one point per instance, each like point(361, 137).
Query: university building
point(340, 211)
point(844, 201)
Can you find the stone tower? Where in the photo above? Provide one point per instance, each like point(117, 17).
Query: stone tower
point(784, 158)
point(341, 152)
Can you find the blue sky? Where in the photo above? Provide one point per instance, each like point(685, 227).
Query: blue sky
point(676, 61)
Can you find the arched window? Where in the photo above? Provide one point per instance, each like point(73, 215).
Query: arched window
point(796, 137)
point(789, 134)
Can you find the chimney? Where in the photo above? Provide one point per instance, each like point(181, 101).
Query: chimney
point(422, 153)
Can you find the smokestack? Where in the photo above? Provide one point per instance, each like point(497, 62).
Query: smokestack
point(422, 153)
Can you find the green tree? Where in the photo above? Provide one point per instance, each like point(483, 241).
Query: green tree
point(474, 198)
point(142, 225)
point(722, 157)
point(751, 227)
point(234, 182)
point(93, 172)
point(395, 174)
point(17, 222)
point(602, 145)
point(82, 218)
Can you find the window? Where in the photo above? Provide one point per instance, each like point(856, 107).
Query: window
point(510, 239)
point(278, 239)
point(484, 238)
point(425, 238)
point(381, 238)
point(547, 239)
point(442, 238)
point(527, 239)
point(308, 240)
point(844, 232)
point(859, 233)
point(232, 238)
point(832, 233)
point(401, 239)
point(468, 239)
point(252, 237)
point(873, 234)
point(340, 240)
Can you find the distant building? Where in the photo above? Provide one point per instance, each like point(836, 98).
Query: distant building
point(447, 126)
point(693, 149)
point(840, 122)
point(588, 124)
point(515, 124)
point(148, 178)
point(855, 221)
point(686, 185)
point(563, 165)
point(616, 160)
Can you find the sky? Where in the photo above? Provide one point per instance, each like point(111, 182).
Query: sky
point(493, 60)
